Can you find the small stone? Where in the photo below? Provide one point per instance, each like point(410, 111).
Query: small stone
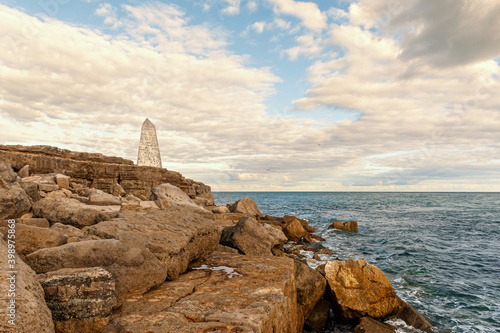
point(48, 187)
point(24, 172)
point(220, 210)
point(62, 181)
point(103, 199)
point(27, 215)
point(369, 325)
point(117, 190)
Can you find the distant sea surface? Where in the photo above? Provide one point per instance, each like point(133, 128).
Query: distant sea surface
point(441, 251)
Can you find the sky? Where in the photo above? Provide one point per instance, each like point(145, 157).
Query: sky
point(264, 95)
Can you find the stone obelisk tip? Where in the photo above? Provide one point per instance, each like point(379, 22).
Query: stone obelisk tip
point(149, 151)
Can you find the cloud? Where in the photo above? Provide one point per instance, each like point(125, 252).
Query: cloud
point(307, 45)
point(260, 26)
point(446, 33)
point(308, 12)
point(252, 6)
point(233, 7)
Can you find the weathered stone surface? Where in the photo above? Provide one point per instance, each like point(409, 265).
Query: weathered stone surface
point(176, 236)
point(411, 317)
point(294, 230)
point(149, 151)
point(253, 238)
point(103, 199)
point(48, 187)
point(81, 299)
point(172, 194)
point(31, 189)
point(318, 317)
point(228, 293)
point(68, 230)
point(62, 181)
point(135, 269)
point(311, 286)
point(72, 212)
point(30, 239)
point(94, 170)
point(14, 202)
point(246, 206)
point(117, 190)
point(42, 223)
point(24, 172)
point(84, 191)
point(359, 289)
point(220, 210)
point(345, 226)
point(6, 173)
point(32, 314)
point(207, 199)
point(60, 194)
point(225, 249)
point(369, 325)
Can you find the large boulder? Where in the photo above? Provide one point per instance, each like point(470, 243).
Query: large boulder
point(81, 299)
point(311, 286)
point(345, 226)
point(359, 289)
point(135, 269)
point(253, 238)
point(318, 317)
point(171, 193)
point(224, 293)
point(31, 313)
point(31, 189)
point(117, 190)
point(175, 236)
point(14, 201)
point(31, 238)
point(246, 206)
point(294, 230)
point(72, 212)
point(369, 325)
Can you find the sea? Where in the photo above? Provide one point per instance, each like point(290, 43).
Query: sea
point(441, 251)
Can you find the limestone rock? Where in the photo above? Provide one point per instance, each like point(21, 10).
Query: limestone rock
point(246, 206)
point(62, 181)
point(176, 236)
point(311, 286)
point(224, 293)
point(81, 299)
point(359, 289)
point(48, 187)
point(31, 189)
point(206, 198)
point(117, 190)
point(318, 317)
point(103, 199)
point(24, 172)
point(32, 314)
point(135, 269)
point(294, 230)
point(225, 249)
point(30, 238)
point(36, 222)
point(72, 212)
point(14, 202)
point(60, 194)
point(220, 210)
point(84, 192)
point(68, 230)
point(253, 238)
point(172, 194)
point(346, 226)
point(369, 325)
point(6, 173)
point(411, 317)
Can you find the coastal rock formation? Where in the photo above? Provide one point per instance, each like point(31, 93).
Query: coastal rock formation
point(345, 226)
point(311, 286)
point(318, 317)
point(247, 207)
point(253, 238)
point(359, 289)
point(369, 325)
point(96, 170)
point(294, 230)
point(31, 238)
point(224, 293)
point(220, 210)
point(32, 313)
point(72, 212)
point(81, 299)
point(411, 317)
point(171, 194)
point(176, 236)
point(135, 269)
point(103, 199)
point(14, 201)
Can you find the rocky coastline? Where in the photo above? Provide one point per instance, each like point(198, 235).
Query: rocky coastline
point(103, 245)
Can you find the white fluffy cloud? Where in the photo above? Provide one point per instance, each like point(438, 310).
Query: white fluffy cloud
point(308, 12)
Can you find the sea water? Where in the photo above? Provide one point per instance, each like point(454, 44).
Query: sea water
point(441, 251)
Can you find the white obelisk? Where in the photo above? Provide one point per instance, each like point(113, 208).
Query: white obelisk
point(149, 151)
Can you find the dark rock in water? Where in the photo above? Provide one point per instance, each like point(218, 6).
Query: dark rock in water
point(318, 317)
point(175, 236)
point(359, 289)
point(246, 206)
point(311, 286)
point(253, 238)
point(345, 226)
point(135, 269)
point(81, 299)
point(32, 313)
point(411, 317)
point(72, 212)
point(224, 293)
point(369, 325)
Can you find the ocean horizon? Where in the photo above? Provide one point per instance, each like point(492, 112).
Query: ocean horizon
point(438, 249)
